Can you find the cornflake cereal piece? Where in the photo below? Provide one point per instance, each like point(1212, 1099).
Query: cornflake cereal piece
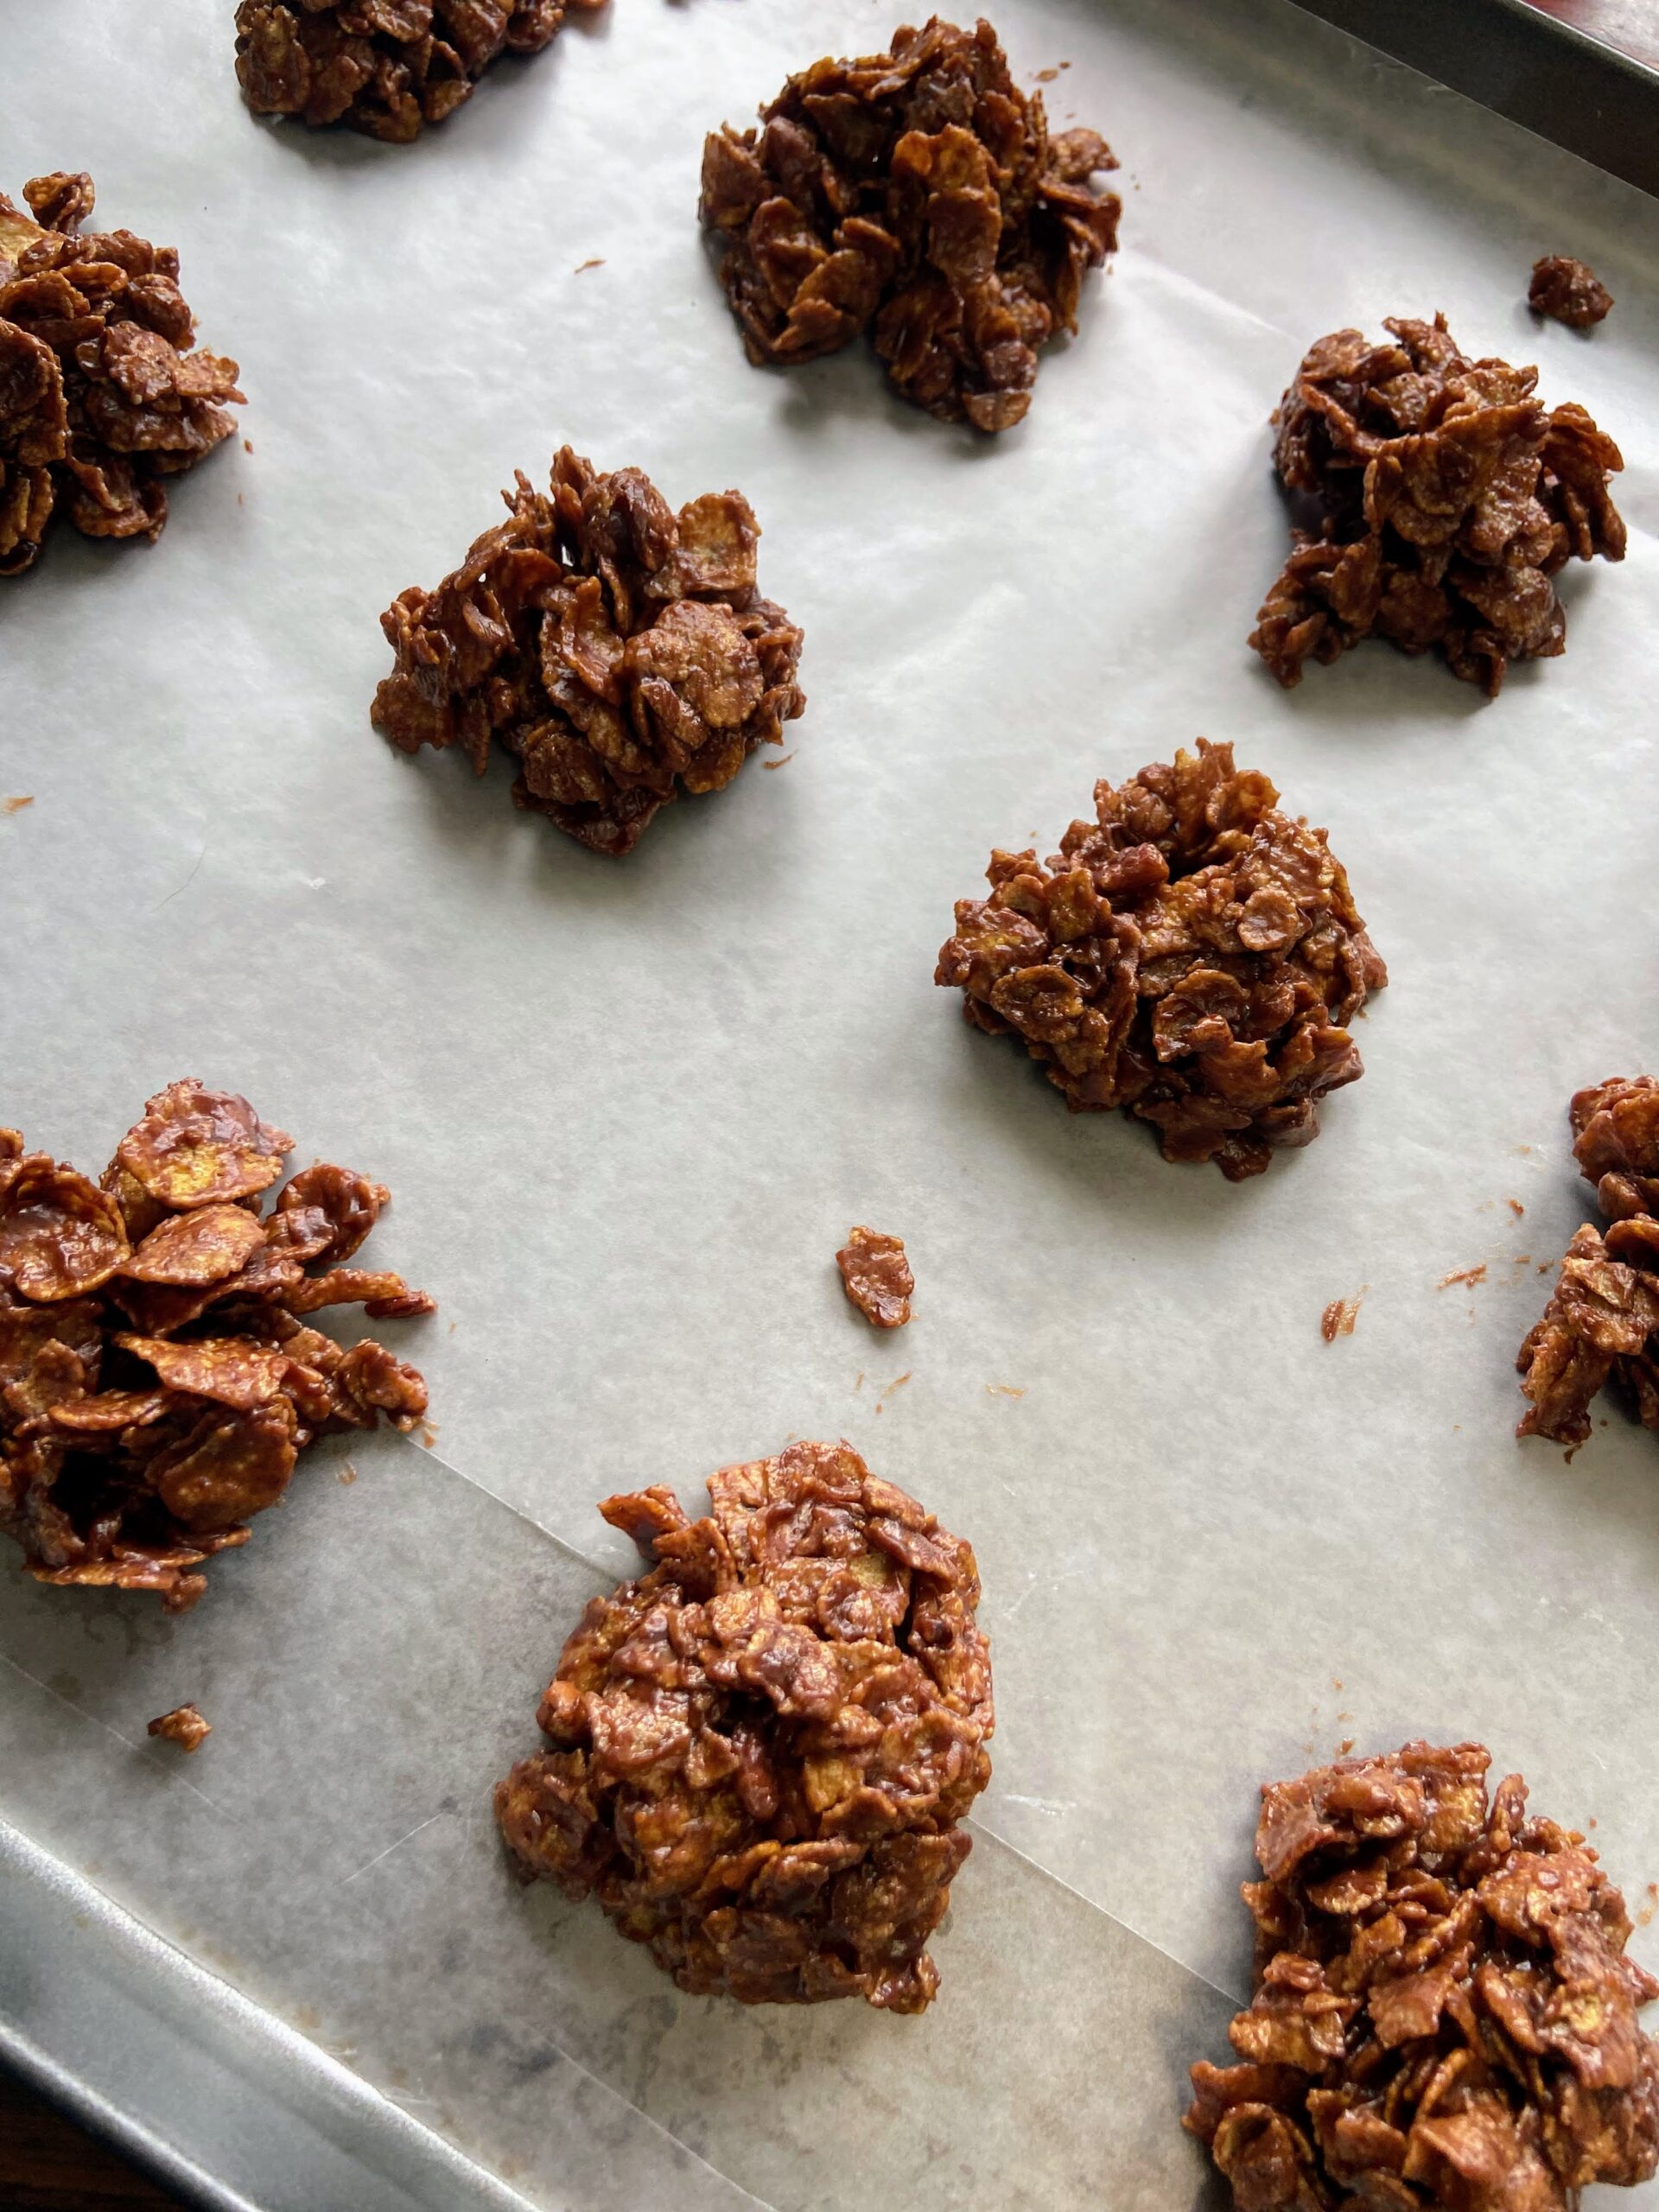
point(876, 1277)
point(1567, 291)
point(916, 194)
point(184, 1727)
point(761, 1750)
point(1450, 497)
point(1443, 2014)
point(157, 1384)
point(620, 651)
point(388, 68)
point(1191, 955)
point(1602, 1317)
point(101, 396)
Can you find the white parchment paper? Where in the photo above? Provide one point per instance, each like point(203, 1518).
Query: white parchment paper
point(629, 1111)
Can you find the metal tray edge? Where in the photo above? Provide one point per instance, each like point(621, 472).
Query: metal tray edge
point(1565, 84)
point(218, 2100)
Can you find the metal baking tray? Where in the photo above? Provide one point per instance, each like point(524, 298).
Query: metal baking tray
point(292, 1975)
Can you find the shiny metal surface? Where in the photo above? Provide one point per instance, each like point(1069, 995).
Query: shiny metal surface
point(231, 2109)
point(1583, 84)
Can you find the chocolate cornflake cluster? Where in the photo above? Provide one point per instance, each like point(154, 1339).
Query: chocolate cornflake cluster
point(918, 195)
point(1191, 956)
point(621, 652)
point(102, 397)
point(876, 1277)
point(157, 1382)
point(1567, 291)
point(1443, 2015)
point(762, 1749)
point(388, 68)
point(1602, 1320)
point(1449, 499)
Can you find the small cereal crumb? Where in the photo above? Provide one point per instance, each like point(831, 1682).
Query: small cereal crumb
point(876, 1277)
point(1340, 1315)
point(1002, 1391)
point(784, 762)
point(348, 1474)
point(16, 806)
point(1567, 291)
point(184, 1727)
point(897, 1383)
point(1516, 1208)
point(1345, 1746)
point(594, 261)
point(1471, 1276)
point(247, 445)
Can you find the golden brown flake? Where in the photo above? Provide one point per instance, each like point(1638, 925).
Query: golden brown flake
point(762, 1749)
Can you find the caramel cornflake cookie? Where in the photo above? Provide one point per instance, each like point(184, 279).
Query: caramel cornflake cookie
point(388, 68)
point(916, 194)
point(1567, 291)
point(1450, 497)
point(762, 1749)
point(1191, 955)
point(184, 1727)
point(1602, 1321)
point(156, 1381)
point(620, 651)
point(102, 397)
point(1444, 2015)
point(876, 1276)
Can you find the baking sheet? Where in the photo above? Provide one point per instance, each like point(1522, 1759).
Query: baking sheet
point(627, 1113)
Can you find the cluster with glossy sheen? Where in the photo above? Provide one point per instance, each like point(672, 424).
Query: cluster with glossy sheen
point(1191, 956)
point(1602, 1322)
point(1444, 2015)
point(1449, 497)
point(621, 652)
point(761, 1750)
point(103, 394)
point(916, 194)
point(388, 68)
point(157, 1383)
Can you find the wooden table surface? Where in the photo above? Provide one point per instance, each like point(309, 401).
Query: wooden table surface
point(48, 2165)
